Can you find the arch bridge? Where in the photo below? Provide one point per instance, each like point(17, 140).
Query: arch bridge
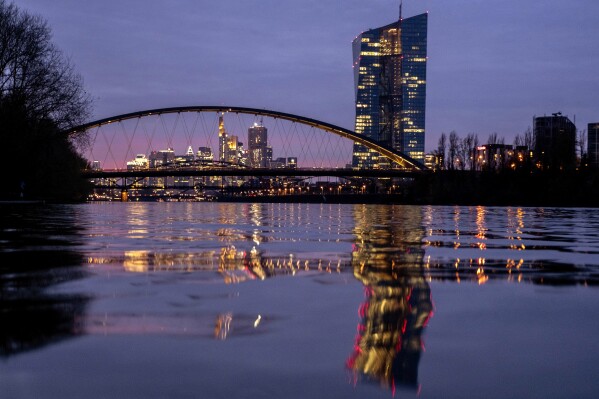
point(124, 149)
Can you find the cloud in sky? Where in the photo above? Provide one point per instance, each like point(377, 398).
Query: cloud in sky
point(492, 64)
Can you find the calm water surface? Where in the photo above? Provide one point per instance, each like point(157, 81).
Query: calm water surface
point(215, 300)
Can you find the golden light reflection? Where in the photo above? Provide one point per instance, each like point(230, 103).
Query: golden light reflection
point(459, 236)
point(223, 326)
point(480, 223)
point(234, 265)
point(389, 261)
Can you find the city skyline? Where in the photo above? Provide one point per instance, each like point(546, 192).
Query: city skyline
point(492, 65)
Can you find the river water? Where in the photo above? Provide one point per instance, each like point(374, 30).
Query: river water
point(220, 300)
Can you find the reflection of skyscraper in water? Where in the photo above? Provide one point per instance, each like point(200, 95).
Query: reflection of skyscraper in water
point(388, 260)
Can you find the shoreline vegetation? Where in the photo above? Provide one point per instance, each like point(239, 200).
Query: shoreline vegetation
point(41, 97)
point(505, 188)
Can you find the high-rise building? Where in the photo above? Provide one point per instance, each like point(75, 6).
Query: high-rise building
point(230, 149)
point(222, 139)
point(158, 159)
point(390, 88)
point(257, 144)
point(555, 142)
point(593, 144)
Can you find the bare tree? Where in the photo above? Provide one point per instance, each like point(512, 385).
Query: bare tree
point(453, 153)
point(493, 138)
point(41, 97)
point(442, 148)
point(529, 139)
point(35, 74)
point(518, 140)
point(581, 141)
point(470, 143)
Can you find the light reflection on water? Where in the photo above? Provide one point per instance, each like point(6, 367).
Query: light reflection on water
point(555, 246)
point(542, 246)
point(140, 263)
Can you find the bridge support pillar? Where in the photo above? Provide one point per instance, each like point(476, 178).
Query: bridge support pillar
point(124, 195)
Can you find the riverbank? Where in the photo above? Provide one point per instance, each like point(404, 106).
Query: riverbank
point(506, 188)
point(509, 188)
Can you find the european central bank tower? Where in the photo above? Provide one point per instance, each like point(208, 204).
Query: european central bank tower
point(390, 82)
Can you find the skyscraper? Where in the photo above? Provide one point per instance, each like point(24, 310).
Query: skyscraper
point(257, 143)
point(555, 142)
point(222, 139)
point(390, 88)
point(593, 144)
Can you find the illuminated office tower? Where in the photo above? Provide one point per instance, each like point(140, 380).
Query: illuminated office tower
point(222, 139)
point(230, 149)
point(257, 143)
point(390, 89)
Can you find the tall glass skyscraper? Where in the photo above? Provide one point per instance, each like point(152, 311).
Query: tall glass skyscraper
point(257, 144)
point(390, 88)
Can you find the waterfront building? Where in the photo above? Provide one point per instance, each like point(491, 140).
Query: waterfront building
point(433, 161)
point(162, 157)
point(493, 156)
point(158, 159)
point(555, 142)
point(500, 156)
point(593, 144)
point(205, 154)
point(186, 160)
point(390, 89)
point(268, 155)
point(257, 146)
point(140, 162)
point(279, 163)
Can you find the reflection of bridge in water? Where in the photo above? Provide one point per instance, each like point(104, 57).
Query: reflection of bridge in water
point(153, 153)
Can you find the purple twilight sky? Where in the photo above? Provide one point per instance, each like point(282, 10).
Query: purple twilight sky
point(493, 64)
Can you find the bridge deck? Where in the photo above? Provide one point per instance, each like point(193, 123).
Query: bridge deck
point(256, 172)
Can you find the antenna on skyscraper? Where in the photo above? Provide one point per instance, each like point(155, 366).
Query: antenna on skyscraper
point(400, 9)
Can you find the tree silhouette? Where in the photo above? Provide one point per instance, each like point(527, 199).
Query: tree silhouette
point(40, 97)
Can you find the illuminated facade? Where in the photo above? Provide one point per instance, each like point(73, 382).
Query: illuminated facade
point(222, 139)
point(390, 89)
point(205, 154)
point(593, 144)
point(257, 144)
point(230, 149)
